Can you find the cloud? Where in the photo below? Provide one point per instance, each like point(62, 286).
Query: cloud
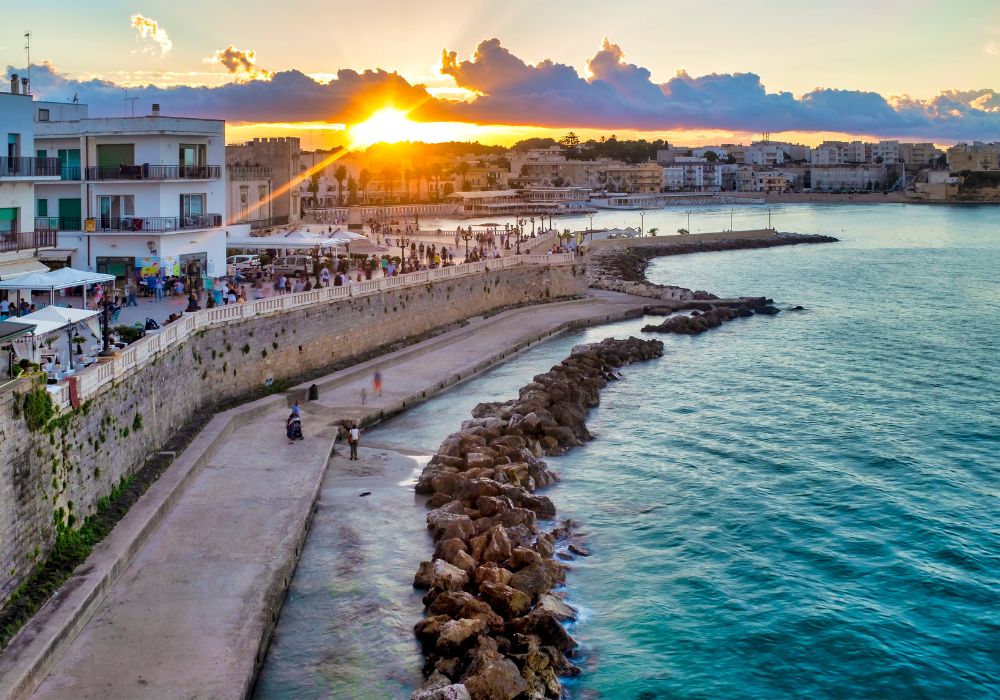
point(501, 88)
point(620, 95)
point(240, 63)
point(151, 31)
point(288, 96)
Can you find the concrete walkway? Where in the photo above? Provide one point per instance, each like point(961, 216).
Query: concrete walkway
point(192, 614)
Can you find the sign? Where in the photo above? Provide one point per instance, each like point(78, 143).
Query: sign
point(90, 225)
point(151, 266)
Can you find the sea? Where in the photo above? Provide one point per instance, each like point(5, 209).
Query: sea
point(804, 505)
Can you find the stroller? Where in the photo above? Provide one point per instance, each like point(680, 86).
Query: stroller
point(293, 428)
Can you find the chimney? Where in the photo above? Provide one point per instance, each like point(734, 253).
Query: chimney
point(14, 82)
point(156, 109)
point(25, 88)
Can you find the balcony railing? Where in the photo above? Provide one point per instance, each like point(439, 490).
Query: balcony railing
point(249, 172)
point(154, 172)
point(129, 224)
point(10, 242)
point(58, 223)
point(30, 167)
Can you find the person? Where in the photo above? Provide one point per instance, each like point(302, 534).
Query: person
point(353, 438)
point(377, 383)
point(324, 276)
point(192, 302)
point(297, 409)
point(130, 299)
point(293, 428)
point(4, 309)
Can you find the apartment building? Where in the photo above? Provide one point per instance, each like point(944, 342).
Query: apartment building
point(21, 170)
point(919, 154)
point(134, 193)
point(282, 157)
point(834, 178)
point(974, 156)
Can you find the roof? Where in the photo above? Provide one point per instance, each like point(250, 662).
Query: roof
point(57, 279)
point(14, 329)
point(20, 267)
point(52, 318)
point(485, 194)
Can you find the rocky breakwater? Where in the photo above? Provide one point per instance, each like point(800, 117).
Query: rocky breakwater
point(621, 269)
point(493, 626)
point(711, 315)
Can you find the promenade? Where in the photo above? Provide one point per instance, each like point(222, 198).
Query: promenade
point(190, 609)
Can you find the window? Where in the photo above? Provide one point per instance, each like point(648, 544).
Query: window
point(8, 222)
point(244, 196)
point(192, 205)
point(42, 207)
point(114, 208)
point(191, 159)
point(41, 153)
point(112, 155)
point(43, 114)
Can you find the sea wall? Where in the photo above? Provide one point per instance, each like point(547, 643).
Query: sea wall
point(620, 264)
point(54, 475)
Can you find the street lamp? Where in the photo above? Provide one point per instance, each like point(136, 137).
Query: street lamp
point(106, 327)
point(402, 243)
point(769, 219)
point(467, 236)
point(689, 222)
point(69, 342)
point(642, 223)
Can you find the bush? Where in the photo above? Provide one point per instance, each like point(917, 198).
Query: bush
point(38, 409)
point(128, 334)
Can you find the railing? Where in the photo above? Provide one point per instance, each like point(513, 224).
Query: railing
point(70, 172)
point(58, 223)
point(145, 349)
point(154, 172)
point(157, 223)
point(29, 240)
point(30, 167)
point(248, 172)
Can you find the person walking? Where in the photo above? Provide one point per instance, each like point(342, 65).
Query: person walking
point(377, 383)
point(353, 438)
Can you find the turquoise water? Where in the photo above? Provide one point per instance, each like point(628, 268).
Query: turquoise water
point(804, 505)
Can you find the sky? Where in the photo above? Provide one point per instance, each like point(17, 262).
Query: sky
point(688, 71)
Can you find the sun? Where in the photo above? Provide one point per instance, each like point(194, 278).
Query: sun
point(387, 125)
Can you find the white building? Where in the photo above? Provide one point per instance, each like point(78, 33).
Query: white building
point(835, 178)
point(137, 193)
point(20, 171)
point(885, 152)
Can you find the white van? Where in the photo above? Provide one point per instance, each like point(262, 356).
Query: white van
point(243, 262)
point(293, 264)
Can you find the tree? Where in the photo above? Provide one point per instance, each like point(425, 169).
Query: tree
point(731, 159)
point(711, 156)
point(364, 177)
point(407, 176)
point(682, 231)
point(314, 188)
point(352, 190)
point(653, 231)
point(463, 170)
point(340, 174)
point(569, 141)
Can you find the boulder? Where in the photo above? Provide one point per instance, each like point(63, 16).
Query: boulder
point(499, 547)
point(491, 573)
point(492, 676)
point(454, 634)
point(440, 575)
point(508, 601)
point(439, 687)
point(555, 607)
point(447, 549)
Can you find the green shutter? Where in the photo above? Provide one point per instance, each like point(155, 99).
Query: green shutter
point(42, 205)
point(41, 153)
point(69, 208)
point(110, 155)
point(8, 214)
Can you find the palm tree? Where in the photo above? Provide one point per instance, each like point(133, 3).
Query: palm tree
point(463, 170)
point(435, 172)
point(340, 174)
point(364, 177)
point(407, 176)
point(420, 173)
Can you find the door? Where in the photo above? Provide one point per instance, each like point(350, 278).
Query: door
point(116, 211)
point(69, 159)
point(70, 216)
point(191, 158)
point(192, 209)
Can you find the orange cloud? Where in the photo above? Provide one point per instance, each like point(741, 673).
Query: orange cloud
point(240, 63)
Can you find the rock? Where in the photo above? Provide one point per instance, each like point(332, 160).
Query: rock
point(456, 633)
point(477, 460)
point(509, 602)
point(492, 676)
point(464, 561)
point(538, 578)
point(522, 556)
point(498, 549)
point(449, 483)
point(447, 577)
point(439, 687)
point(491, 573)
point(555, 607)
point(767, 310)
point(447, 549)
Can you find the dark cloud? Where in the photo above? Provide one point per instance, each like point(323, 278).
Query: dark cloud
point(288, 96)
point(614, 95)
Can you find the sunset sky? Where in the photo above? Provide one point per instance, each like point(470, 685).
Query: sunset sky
point(690, 72)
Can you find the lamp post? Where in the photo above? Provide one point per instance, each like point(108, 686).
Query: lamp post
point(689, 222)
point(768, 218)
point(731, 212)
point(69, 343)
point(532, 227)
point(642, 224)
point(106, 327)
point(402, 243)
point(467, 236)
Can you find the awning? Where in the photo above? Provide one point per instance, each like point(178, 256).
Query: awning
point(60, 254)
point(54, 318)
point(14, 329)
point(22, 266)
point(57, 279)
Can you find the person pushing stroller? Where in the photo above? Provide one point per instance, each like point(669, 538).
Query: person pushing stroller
point(293, 427)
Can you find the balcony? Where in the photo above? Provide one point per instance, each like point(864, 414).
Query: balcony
point(58, 223)
point(153, 172)
point(11, 242)
point(30, 167)
point(155, 224)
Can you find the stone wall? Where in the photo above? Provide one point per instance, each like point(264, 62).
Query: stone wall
point(58, 475)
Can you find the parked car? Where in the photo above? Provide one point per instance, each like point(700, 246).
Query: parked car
point(293, 265)
point(243, 262)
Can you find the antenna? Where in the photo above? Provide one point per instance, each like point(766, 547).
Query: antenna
point(129, 100)
point(27, 48)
